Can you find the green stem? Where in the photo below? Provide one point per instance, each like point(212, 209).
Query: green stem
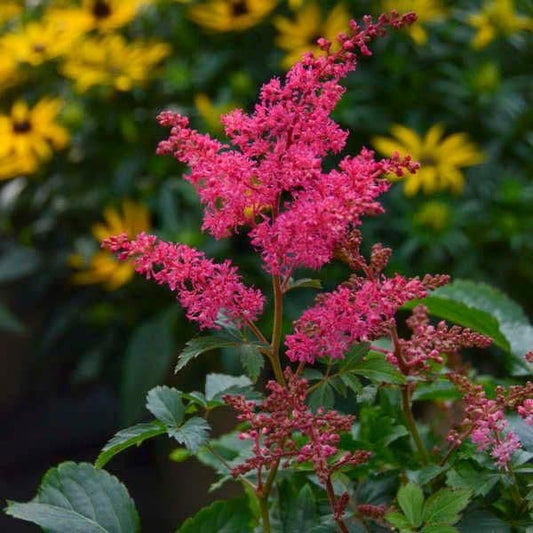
point(276, 330)
point(263, 493)
point(411, 424)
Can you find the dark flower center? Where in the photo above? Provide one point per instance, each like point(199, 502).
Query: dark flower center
point(22, 126)
point(427, 161)
point(38, 48)
point(239, 8)
point(101, 9)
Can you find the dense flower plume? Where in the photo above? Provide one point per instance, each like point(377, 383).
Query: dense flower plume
point(275, 423)
point(276, 163)
point(205, 289)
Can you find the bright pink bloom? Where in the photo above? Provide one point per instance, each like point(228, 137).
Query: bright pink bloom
point(205, 289)
point(272, 179)
point(359, 310)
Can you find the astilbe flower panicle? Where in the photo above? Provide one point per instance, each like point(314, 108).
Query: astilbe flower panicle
point(277, 425)
point(429, 342)
point(275, 162)
point(485, 420)
point(204, 288)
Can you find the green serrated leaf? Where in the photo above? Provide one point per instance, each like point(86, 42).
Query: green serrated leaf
point(200, 345)
point(78, 497)
point(216, 384)
point(411, 501)
point(125, 438)
point(439, 529)
point(352, 383)
point(465, 476)
point(479, 521)
point(445, 506)
point(252, 360)
point(192, 434)
point(297, 508)
point(398, 520)
point(354, 356)
point(322, 396)
point(304, 282)
point(166, 405)
point(375, 368)
point(440, 390)
point(227, 516)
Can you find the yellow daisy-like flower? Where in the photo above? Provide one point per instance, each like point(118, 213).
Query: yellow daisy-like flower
point(8, 69)
point(427, 11)
point(110, 60)
point(101, 15)
point(440, 158)
point(28, 136)
point(38, 42)
point(103, 268)
point(300, 35)
point(434, 215)
point(497, 17)
point(231, 15)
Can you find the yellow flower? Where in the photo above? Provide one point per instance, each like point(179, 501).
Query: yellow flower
point(110, 60)
point(102, 267)
point(497, 17)
point(440, 158)
point(8, 69)
point(231, 15)
point(28, 136)
point(300, 35)
point(101, 15)
point(9, 10)
point(210, 112)
point(37, 42)
point(427, 11)
point(434, 215)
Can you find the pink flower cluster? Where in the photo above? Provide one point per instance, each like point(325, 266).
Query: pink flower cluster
point(485, 419)
point(278, 423)
point(272, 179)
point(358, 310)
point(205, 289)
point(526, 411)
point(428, 342)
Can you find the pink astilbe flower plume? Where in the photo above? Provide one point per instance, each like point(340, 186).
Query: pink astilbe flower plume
point(271, 178)
point(204, 288)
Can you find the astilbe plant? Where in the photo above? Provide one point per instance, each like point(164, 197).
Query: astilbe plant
point(270, 183)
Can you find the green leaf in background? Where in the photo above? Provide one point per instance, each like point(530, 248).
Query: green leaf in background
point(125, 438)
point(199, 345)
point(18, 262)
point(440, 390)
point(297, 507)
point(375, 368)
point(148, 358)
point(192, 434)
point(465, 476)
point(228, 516)
point(304, 282)
point(411, 501)
point(514, 333)
point(9, 322)
point(439, 529)
point(399, 521)
point(216, 384)
point(322, 396)
point(166, 405)
point(356, 353)
point(444, 507)
point(478, 521)
point(77, 497)
point(252, 360)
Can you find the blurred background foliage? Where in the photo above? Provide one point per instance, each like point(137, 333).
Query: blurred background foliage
point(80, 85)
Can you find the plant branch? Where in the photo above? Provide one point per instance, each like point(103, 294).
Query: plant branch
point(333, 502)
point(411, 424)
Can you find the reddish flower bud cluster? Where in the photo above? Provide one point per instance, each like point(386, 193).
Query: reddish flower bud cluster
point(277, 425)
point(485, 419)
point(205, 289)
point(428, 342)
point(367, 510)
